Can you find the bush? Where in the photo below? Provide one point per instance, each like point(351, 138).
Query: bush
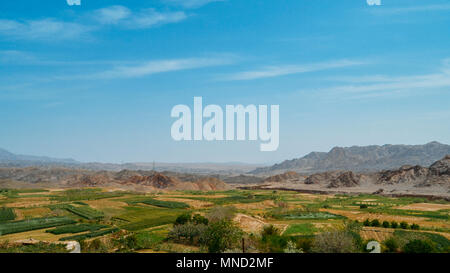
point(366, 223)
point(415, 226)
point(386, 224)
point(188, 233)
point(404, 225)
point(222, 235)
point(269, 230)
point(394, 224)
point(418, 246)
point(334, 242)
point(183, 219)
point(363, 206)
point(198, 219)
point(391, 244)
point(292, 248)
point(375, 223)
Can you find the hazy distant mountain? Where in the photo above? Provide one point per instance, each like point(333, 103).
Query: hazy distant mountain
point(365, 158)
point(7, 157)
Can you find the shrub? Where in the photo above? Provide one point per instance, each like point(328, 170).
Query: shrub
point(269, 230)
point(188, 233)
point(366, 223)
point(404, 225)
point(183, 219)
point(363, 206)
point(418, 246)
point(375, 223)
point(394, 224)
point(415, 226)
point(222, 235)
point(391, 244)
point(292, 248)
point(305, 243)
point(386, 224)
point(334, 242)
point(198, 219)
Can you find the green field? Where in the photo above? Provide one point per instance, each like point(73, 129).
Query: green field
point(123, 221)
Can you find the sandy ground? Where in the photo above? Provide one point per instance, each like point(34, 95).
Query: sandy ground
point(254, 225)
point(425, 207)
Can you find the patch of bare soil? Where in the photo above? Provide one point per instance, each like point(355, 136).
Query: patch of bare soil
point(378, 234)
point(254, 225)
point(425, 207)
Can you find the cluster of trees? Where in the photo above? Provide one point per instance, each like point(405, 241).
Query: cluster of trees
point(217, 232)
point(386, 224)
point(393, 244)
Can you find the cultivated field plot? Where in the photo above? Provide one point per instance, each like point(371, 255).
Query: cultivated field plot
point(108, 219)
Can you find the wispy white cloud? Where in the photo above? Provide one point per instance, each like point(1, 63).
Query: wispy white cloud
point(384, 85)
point(275, 71)
point(150, 17)
point(191, 3)
point(145, 18)
point(410, 9)
point(44, 29)
point(111, 15)
point(160, 66)
point(55, 30)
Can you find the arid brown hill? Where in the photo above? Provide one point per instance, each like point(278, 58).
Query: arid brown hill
point(125, 178)
point(287, 176)
point(361, 159)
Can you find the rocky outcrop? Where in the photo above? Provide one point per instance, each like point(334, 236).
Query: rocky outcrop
point(441, 167)
point(403, 175)
point(322, 178)
point(346, 179)
point(285, 177)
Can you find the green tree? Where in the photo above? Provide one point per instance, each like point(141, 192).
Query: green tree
point(418, 246)
point(183, 219)
point(404, 225)
point(394, 224)
point(375, 223)
point(222, 235)
point(391, 244)
point(386, 224)
point(198, 219)
point(415, 226)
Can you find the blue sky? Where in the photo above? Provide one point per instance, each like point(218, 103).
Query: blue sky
point(97, 82)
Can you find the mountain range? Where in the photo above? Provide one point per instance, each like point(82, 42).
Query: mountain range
point(361, 159)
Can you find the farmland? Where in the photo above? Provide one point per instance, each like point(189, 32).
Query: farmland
point(105, 220)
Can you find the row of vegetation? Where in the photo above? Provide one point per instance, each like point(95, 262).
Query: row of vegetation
point(393, 224)
point(85, 194)
point(89, 235)
point(33, 224)
point(7, 214)
point(76, 228)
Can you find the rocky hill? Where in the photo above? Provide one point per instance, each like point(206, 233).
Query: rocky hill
point(146, 180)
point(434, 179)
point(361, 159)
